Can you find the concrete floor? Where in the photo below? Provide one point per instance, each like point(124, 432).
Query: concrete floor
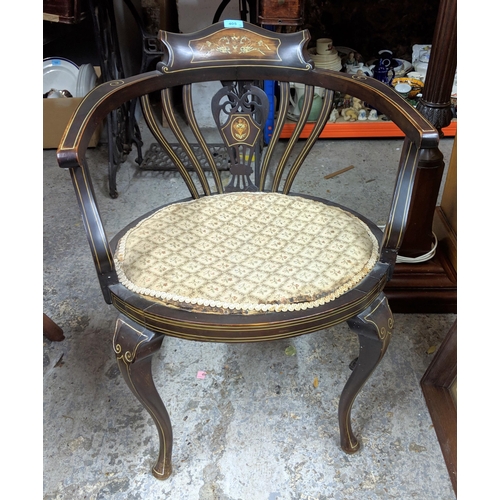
point(255, 428)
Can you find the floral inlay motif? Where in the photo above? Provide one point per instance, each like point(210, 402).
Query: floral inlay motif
point(240, 128)
point(232, 44)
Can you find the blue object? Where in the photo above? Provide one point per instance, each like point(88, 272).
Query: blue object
point(269, 127)
point(269, 90)
point(385, 64)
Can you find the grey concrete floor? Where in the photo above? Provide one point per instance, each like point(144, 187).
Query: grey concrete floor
point(255, 428)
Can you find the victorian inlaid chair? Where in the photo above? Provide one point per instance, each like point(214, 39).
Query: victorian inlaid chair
point(248, 260)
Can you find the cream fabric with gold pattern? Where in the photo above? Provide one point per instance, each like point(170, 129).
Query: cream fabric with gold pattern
point(246, 253)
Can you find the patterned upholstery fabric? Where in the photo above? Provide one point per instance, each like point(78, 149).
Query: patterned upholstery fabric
point(246, 253)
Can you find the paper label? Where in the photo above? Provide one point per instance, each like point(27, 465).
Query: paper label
point(233, 24)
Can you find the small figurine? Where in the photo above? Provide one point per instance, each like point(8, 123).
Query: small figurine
point(350, 114)
point(373, 115)
point(363, 70)
point(362, 115)
point(333, 115)
point(351, 59)
point(357, 103)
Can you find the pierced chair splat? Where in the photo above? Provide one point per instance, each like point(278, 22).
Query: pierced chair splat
point(245, 258)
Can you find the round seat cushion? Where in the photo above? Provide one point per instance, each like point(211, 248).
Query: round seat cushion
point(246, 253)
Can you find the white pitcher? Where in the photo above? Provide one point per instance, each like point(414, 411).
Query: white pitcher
point(299, 92)
point(294, 100)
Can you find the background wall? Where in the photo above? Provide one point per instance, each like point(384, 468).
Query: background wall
point(365, 26)
point(368, 27)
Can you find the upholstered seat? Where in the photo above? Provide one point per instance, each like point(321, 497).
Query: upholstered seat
point(246, 259)
point(245, 253)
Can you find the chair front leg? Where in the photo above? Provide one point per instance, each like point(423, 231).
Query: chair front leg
point(374, 328)
point(134, 347)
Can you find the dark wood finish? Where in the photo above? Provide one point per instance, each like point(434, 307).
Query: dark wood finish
point(52, 330)
point(239, 58)
point(438, 386)
point(429, 287)
point(134, 346)
point(418, 238)
point(63, 11)
point(374, 329)
point(421, 290)
point(281, 12)
point(250, 45)
point(445, 219)
point(240, 127)
point(435, 105)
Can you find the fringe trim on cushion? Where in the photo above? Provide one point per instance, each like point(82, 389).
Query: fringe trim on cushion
point(216, 306)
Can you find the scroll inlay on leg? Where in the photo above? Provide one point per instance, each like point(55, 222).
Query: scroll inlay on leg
point(134, 347)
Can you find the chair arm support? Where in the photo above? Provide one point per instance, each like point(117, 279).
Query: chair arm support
point(94, 229)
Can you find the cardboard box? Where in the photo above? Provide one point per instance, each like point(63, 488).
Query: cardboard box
point(56, 115)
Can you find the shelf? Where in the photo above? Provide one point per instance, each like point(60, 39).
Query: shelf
point(344, 130)
point(64, 11)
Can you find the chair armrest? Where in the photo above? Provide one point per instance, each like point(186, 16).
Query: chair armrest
point(71, 155)
point(94, 108)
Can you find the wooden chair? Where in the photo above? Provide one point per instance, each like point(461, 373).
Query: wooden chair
point(249, 261)
point(52, 330)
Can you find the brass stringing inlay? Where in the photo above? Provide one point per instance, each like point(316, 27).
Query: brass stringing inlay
point(240, 129)
point(127, 357)
point(229, 43)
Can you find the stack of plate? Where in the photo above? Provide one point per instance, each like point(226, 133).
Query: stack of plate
point(62, 74)
point(86, 80)
point(59, 74)
point(326, 61)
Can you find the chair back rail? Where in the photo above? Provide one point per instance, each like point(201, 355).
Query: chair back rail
point(240, 59)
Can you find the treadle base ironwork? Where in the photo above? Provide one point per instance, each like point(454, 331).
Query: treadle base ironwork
point(156, 158)
point(122, 127)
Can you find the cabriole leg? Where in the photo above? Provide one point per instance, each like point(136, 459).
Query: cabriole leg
point(134, 347)
point(374, 328)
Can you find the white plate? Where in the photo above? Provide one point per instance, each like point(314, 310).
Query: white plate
point(90, 78)
point(333, 66)
point(59, 74)
point(86, 80)
point(407, 66)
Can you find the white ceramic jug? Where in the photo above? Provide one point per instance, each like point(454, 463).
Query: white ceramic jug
point(299, 93)
point(294, 101)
